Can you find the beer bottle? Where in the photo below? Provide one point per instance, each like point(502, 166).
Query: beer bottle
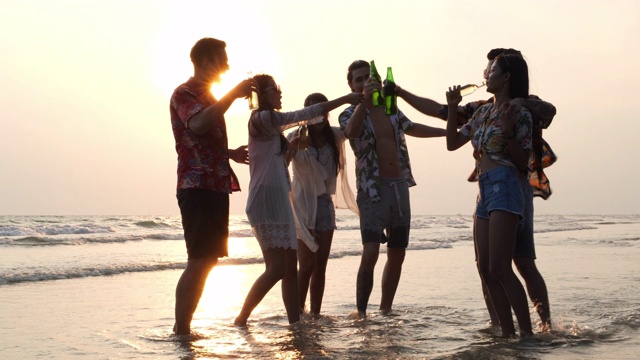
point(470, 89)
point(253, 98)
point(389, 93)
point(376, 97)
point(303, 141)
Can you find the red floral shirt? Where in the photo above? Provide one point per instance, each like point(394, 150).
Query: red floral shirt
point(203, 160)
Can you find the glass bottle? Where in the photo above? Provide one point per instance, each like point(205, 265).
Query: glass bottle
point(376, 97)
point(470, 89)
point(254, 104)
point(303, 140)
point(389, 93)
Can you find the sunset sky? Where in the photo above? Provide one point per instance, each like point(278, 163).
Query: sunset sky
point(85, 88)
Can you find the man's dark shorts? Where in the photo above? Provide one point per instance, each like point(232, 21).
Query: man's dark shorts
point(391, 213)
point(205, 220)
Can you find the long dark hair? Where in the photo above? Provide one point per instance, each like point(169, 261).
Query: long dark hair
point(264, 81)
point(326, 131)
point(517, 67)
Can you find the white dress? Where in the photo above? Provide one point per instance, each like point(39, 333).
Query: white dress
point(312, 178)
point(268, 207)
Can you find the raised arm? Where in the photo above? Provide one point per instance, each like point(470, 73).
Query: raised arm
point(203, 121)
point(455, 140)
point(351, 98)
point(310, 114)
point(355, 124)
point(424, 105)
point(425, 131)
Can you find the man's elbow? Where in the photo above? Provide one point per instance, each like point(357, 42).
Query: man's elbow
point(452, 145)
point(350, 134)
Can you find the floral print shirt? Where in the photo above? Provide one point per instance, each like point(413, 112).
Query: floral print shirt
point(485, 131)
point(364, 149)
point(543, 154)
point(203, 160)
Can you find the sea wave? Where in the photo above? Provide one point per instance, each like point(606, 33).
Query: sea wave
point(150, 224)
point(57, 240)
point(50, 274)
point(39, 230)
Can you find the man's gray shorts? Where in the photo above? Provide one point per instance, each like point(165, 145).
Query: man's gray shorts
point(391, 213)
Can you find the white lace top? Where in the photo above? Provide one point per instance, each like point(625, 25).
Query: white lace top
point(314, 174)
point(268, 207)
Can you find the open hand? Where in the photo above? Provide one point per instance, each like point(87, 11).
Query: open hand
point(240, 155)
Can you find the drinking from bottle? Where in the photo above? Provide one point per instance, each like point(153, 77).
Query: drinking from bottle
point(470, 89)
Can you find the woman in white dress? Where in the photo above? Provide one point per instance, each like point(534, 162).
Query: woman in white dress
point(268, 207)
point(319, 185)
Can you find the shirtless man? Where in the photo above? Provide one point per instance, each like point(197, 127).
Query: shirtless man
point(383, 177)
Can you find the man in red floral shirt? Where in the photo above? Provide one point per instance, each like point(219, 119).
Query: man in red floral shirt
point(205, 178)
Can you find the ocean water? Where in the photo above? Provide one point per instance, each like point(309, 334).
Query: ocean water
point(101, 287)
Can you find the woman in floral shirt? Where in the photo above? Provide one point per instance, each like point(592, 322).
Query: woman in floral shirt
point(501, 139)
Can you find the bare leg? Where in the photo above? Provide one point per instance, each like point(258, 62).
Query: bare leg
point(391, 277)
point(493, 316)
point(485, 293)
point(496, 292)
point(290, 286)
point(188, 292)
point(274, 260)
point(536, 287)
point(364, 286)
point(318, 277)
point(307, 261)
point(502, 237)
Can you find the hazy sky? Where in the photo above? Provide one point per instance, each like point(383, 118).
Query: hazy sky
point(85, 87)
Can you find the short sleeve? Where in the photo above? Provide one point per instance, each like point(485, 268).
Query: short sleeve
point(404, 121)
point(345, 116)
point(186, 105)
point(524, 125)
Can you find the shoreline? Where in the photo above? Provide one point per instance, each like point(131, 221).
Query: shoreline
point(438, 309)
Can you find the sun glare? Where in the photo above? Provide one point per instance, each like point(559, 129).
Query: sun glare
point(246, 50)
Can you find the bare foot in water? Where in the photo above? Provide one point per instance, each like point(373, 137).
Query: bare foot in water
point(357, 315)
point(181, 333)
point(240, 322)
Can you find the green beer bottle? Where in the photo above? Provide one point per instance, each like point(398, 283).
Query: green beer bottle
point(376, 97)
point(389, 93)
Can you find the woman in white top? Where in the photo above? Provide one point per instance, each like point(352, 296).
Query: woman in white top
point(314, 187)
point(268, 207)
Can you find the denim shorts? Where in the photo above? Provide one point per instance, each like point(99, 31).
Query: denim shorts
point(391, 213)
point(524, 240)
point(325, 213)
point(500, 190)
